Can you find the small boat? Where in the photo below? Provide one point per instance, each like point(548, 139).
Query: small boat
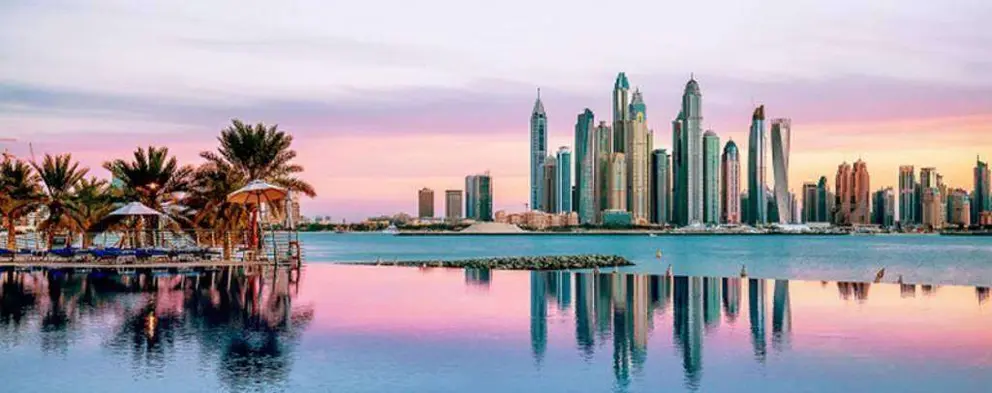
point(391, 230)
point(652, 235)
point(743, 271)
point(657, 254)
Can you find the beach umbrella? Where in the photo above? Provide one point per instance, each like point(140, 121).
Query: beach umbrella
point(254, 193)
point(135, 209)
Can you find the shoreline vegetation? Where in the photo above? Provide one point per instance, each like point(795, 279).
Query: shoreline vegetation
point(550, 262)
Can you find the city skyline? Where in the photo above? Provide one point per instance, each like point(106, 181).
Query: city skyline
point(433, 108)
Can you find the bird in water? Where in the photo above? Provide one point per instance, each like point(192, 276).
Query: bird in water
point(668, 272)
point(879, 275)
point(743, 271)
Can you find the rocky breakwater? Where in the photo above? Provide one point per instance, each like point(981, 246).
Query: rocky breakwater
point(552, 262)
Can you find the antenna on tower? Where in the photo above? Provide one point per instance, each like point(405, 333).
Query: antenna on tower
point(539, 93)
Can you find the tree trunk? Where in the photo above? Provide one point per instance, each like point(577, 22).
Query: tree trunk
point(11, 234)
point(227, 246)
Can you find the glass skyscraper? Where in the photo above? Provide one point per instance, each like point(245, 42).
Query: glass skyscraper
point(781, 134)
point(479, 197)
point(661, 186)
point(711, 178)
point(585, 167)
point(907, 196)
point(691, 156)
point(981, 200)
point(621, 113)
point(564, 186)
point(757, 206)
point(538, 151)
point(730, 200)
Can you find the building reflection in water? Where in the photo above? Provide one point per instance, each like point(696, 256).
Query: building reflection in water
point(245, 321)
point(928, 290)
point(907, 290)
point(855, 290)
point(478, 277)
point(731, 298)
point(781, 316)
point(538, 315)
point(756, 312)
point(982, 293)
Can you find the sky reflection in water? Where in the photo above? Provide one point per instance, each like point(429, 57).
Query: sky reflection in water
point(374, 329)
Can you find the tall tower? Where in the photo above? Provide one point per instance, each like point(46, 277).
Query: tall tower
point(453, 205)
point(549, 186)
point(845, 195)
point(425, 203)
point(538, 151)
point(907, 196)
point(636, 153)
point(824, 201)
point(564, 180)
point(604, 148)
point(981, 200)
point(756, 185)
point(692, 144)
point(661, 186)
point(711, 178)
point(781, 133)
point(621, 114)
point(618, 182)
point(731, 183)
point(809, 202)
point(585, 167)
point(678, 174)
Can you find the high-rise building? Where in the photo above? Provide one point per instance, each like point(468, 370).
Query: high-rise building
point(479, 197)
point(745, 205)
point(907, 196)
point(756, 184)
point(585, 167)
point(844, 194)
point(711, 178)
point(678, 174)
point(621, 114)
point(959, 209)
point(661, 186)
point(549, 185)
point(563, 183)
point(932, 209)
point(884, 209)
point(824, 200)
point(618, 182)
point(538, 151)
point(638, 160)
point(425, 205)
point(691, 188)
point(604, 149)
point(981, 200)
point(781, 134)
point(809, 202)
point(453, 205)
point(862, 194)
point(730, 183)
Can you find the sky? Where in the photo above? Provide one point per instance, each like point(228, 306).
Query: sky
point(386, 97)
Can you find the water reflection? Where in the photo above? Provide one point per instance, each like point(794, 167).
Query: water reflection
point(242, 321)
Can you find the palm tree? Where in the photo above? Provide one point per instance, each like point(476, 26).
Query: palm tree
point(260, 152)
point(207, 206)
point(19, 194)
point(152, 178)
point(59, 178)
point(90, 204)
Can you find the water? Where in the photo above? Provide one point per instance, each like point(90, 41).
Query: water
point(377, 329)
point(918, 258)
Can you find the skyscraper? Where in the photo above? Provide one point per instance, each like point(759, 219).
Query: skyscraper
point(564, 181)
point(907, 196)
point(549, 186)
point(845, 195)
point(604, 149)
point(757, 208)
point(479, 197)
point(883, 213)
point(661, 186)
point(959, 208)
point(621, 114)
point(862, 194)
point(731, 183)
point(471, 197)
point(711, 178)
point(932, 210)
point(781, 134)
point(809, 202)
point(981, 200)
point(638, 160)
point(453, 205)
point(678, 174)
point(618, 182)
point(585, 167)
point(425, 205)
point(691, 189)
point(824, 200)
point(538, 151)
point(853, 196)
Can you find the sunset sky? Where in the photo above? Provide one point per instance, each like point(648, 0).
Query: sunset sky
point(386, 97)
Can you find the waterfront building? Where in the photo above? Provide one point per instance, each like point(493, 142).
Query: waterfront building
point(959, 209)
point(824, 200)
point(638, 160)
point(932, 210)
point(730, 174)
point(844, 194)
point(479, 197)
point(810, 202)
point(711, 178)
point(585, 167)
point(453, 205)
point(618, 182)
point(781, 135)
point(883, 211)
point(425, 205)
point(661, 182)
point(745, 207)
point(691, 152)
point(470, 197)
point(862, 194)
point(621, 113)
point(549, 185)
point(981, 200)
point(604, 149)
point(616, 218)
point(538, 151)
point(907, 196)
point(756, 184)
point(563, 181)
point(678, 174)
